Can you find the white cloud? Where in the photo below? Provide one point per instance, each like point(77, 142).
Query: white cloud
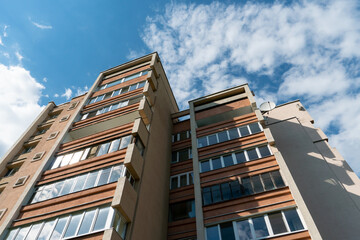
point(41, 26)
point(20, 94)
point(81, 91)
point(207, 48)
point(67, 94)
point(44, 79)
point(4, 32)
point(1, 42)
point(56, 95)
point(19, 56)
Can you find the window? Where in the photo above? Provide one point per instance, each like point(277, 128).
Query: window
point(73, 105)
point(181, 155)
point(234, 158)
point(21, 181)
point(28, 149)
point(38, 156)
point(246, 186)
point(181, 136)
point(121, 80)
point(80, 182)
point(11, 171)
point(112, 107)
point(42, 130)
point(71, 225)
point(181, 180)
point(229, 134)
point(93, 151)
point(259, 227)
point(64, 118)
point(140, 146)
point(2, 212)
point(52, 135)
point(182, 210)
point(117, 92)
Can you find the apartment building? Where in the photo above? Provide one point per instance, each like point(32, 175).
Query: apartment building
point(122, 162)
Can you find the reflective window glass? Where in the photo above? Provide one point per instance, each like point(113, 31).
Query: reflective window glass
point(216, 194)
point(228, 160)
point(46, 230)
point(183, 180)
point(183, 155)
point(67, 186)
point(258, 187)
point(243, 230)
point(174, 183)
point(202, 142)
point(132, 87)
point(227, 231)
point(244, 131)
point(252, 154)
point(235, 189)
point(182, 210)
point(125, 141)
point(269, 185)
point(264, 151)
point(57, 188)
point(212, 139)
point(114, 146)
point(103, 149)
point(260, 227)
point(57, 162)
point(65, 161)
point(22, 233)
point(225, 191)
point(205, 166)
point(277, 179)
point(240, 157)
point(277, 222)
point(101, 218)
point(233, 133)
point(73, 225)
point(90, 181)
point(80, 181)
point(212, 233)
point(104, 176)
point(34, 231)
point(141, 84)
point(254, 127)
point(223, 136)
point(86, 222)
point(207, 195)
point(245, 182)
point(116, 173)
point(293, 220)
point(76, 157)
point(59, 228)
point(216, 163)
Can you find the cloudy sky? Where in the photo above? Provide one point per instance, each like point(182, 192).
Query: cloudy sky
point(285, 50)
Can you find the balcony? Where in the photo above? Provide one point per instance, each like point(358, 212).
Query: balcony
point(125, 199)
point(134, 161)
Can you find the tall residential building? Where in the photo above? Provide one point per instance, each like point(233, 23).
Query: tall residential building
point(122, 162)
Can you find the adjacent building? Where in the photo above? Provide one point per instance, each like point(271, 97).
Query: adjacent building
point(122, 162)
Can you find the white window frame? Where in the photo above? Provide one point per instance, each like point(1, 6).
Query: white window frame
point(188, 176)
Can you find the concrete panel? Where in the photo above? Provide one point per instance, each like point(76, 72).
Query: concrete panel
point(134, 161)
point(139, 129)
point(125, 199)
point(149, 93)
point(145, 111)
point(269, 136)
point(111, 234)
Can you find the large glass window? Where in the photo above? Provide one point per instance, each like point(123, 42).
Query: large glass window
point(112, 107)
point(234, 158)
point(124, 79)
point(181, 180)
point(97, 150)
point(80, 182)
point(258, 227)
point(181, 136)
point(70, 225)
point(229, 134)
point(181, 155)
point(182, 210)
point(236, 189)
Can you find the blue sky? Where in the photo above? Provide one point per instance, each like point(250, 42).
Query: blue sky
point(307, 50)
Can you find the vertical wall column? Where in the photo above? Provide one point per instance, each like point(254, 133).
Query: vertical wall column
point(200, 231)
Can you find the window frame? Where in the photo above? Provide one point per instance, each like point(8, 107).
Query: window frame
point(189, 175)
